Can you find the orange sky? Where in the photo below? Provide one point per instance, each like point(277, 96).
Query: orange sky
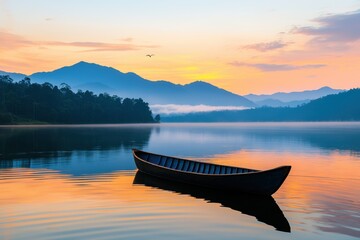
point(261, 47)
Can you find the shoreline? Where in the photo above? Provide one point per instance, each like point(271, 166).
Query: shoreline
point(99, 125)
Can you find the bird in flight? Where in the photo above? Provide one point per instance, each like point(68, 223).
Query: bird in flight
point(150, 55)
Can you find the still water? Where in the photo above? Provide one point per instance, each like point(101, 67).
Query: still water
point(80, 182)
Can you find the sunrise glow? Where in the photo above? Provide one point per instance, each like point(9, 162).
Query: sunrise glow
point(244, 47)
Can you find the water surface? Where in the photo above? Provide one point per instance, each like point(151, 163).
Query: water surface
point(80, 182)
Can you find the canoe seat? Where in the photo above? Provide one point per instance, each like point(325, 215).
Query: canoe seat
point(168, 162)
point(174, 163)
point(180, 165)
point(153, 159)
point(196, 168)
point(189, 166)
point(162, 161)
point(206, 168)
point(186, 166)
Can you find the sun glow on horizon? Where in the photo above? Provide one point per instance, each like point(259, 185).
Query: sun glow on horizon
point(242, 47)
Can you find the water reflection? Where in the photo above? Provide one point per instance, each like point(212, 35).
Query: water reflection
point(222, 138)
point(64, 181)
point(77, 150)
point(264, 208)
point(51, 141)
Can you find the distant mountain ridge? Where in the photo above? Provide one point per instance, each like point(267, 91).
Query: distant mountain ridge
point(97, 78)
point(334, 107)
point(295, 96)
point(270, 102)
point(14, 76)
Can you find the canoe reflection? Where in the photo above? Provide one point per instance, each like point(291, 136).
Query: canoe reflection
point(264, 208)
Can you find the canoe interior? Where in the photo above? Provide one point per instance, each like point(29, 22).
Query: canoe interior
point(191, 166)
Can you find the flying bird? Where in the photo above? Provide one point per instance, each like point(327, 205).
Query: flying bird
point(150, 55)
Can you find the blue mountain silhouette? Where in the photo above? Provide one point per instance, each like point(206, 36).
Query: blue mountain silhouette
point(97, 78)
point(335, 107)
point(294, 96)
point(14, 76)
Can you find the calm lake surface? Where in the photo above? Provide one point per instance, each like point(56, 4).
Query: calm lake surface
point(80, 182)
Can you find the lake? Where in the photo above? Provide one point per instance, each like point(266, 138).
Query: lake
point(80, 182)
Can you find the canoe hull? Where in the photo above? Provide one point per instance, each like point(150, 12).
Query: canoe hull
point(261, 182)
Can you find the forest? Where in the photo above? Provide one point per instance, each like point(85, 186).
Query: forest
point(26, 102)
point(343, 106)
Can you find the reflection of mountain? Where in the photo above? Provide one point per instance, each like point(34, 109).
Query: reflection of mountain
point(263, 208)
point(53, 142)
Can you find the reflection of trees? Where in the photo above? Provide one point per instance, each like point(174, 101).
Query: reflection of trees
point(264, 208)
point(51, 142)
point(340, 137)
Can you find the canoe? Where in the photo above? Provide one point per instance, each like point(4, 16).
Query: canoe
point(263, 208)
point(225, 178)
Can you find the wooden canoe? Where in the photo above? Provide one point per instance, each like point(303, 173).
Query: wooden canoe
point(226, 178)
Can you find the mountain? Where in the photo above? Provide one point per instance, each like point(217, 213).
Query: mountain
point(336, 107)
point(288, 99)
point(270, 102)
point(97, 78)
point(15, 76)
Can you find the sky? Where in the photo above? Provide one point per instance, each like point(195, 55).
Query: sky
point(262, 46)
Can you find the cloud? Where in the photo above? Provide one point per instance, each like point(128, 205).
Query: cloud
point(101, 46)
point(168, 109)
point(342, 28)
point(267, 46)
point(128, 39)
point(276, 67)
point(11, 41)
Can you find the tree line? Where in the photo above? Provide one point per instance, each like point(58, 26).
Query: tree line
point(343, 106)
point(24, 101)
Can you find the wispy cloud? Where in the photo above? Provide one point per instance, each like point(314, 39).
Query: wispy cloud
point(12, 41)
point(334, 28)
point(100, 46)
point(128, 39)
point(168, 109)
point(267, 46)
point(276, 67)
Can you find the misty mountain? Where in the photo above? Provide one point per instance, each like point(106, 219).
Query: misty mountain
point(291, 96)
point(270, 102)
point(15, 76)
point(97, 78)
point(336, 107)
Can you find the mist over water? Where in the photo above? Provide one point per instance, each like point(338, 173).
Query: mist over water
point(80, 182)
point(173, 109)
